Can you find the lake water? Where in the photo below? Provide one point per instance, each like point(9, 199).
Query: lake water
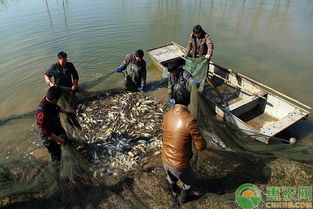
point(268, 40)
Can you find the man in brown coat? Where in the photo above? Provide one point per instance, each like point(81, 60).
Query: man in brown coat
point(180, 128)
point(199, 44)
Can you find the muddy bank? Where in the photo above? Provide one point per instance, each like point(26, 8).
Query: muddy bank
point(217, 174)
point(220, 173)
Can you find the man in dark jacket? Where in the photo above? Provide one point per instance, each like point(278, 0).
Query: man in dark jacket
point(178, 77)
point(180, 128)
point(136, 72)
point(199, 44)
point(48, 120)
point(64, 73)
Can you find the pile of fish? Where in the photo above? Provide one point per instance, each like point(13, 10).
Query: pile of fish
point(121, 130)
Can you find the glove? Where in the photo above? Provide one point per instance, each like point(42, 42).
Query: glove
point(171, 100)
point(193, 81)
point(142, 88)
point(119, 69)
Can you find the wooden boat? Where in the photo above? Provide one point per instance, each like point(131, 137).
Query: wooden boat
point(258, 110)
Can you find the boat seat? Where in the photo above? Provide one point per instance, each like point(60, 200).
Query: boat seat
point(244, 105)
point(281, 124)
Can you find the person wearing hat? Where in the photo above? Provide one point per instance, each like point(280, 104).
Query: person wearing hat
point(63, 72)
point(136, 72)
point(199, 44)
point(48, 120)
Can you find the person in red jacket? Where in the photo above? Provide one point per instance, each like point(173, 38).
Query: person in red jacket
point(48, 120)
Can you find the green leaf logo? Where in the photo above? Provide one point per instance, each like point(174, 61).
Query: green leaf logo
point(248, 196)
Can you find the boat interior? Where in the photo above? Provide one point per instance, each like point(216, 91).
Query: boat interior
point(261, 112)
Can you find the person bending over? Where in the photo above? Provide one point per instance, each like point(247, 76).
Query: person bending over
point(48, 119)
point(178, 77)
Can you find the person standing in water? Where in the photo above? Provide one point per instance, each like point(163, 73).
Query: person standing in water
point(136, 72)
point(63, 72)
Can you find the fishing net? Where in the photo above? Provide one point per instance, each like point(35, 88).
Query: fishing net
point(197, 67)
point(113, 161)
point(226, 135)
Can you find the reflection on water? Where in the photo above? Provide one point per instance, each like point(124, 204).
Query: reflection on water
point(64, 13)
point(268, 40)
point(64, 6)
point(49, 14)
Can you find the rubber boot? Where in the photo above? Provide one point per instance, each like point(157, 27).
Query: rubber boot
point(175, 190)
point(184, 196)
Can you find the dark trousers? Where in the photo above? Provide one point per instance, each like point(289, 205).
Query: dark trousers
point(53, 148)
point(130, 85)
point(187, 176)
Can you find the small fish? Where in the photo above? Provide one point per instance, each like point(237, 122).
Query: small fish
point(108, 119)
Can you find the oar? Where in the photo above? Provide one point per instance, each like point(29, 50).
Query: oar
point(207, 80)
point(271, 89)
point(178, 47)
point(216, 90)
point(236, 85)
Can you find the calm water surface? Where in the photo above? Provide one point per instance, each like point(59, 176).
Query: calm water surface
point(268, 40)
